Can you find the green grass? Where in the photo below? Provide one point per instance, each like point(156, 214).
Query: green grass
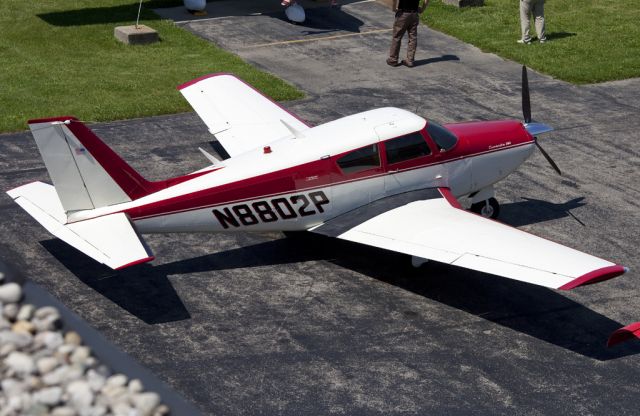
point(589, 41)
point(60, 57)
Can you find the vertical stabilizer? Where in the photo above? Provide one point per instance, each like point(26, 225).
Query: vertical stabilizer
point(86, 173)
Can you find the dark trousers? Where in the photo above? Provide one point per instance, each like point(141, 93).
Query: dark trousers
point(405, 22)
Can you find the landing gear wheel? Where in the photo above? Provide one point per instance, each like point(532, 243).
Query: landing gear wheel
point(488, 209)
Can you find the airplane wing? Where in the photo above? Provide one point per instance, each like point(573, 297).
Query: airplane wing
point(239, 117)
point(430, 223)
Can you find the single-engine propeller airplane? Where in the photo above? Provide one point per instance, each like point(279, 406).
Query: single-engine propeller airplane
point(386, 177)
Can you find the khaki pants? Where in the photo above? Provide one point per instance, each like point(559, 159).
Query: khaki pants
point(535, 7)
point(405, 22)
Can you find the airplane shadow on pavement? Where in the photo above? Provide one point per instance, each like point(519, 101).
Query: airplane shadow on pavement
point(146, 292)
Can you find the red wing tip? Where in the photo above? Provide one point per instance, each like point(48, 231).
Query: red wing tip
point(623, 334)
point(133, 263)
point(595, 276)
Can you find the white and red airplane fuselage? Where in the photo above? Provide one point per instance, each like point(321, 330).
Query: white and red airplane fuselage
point(297, 183)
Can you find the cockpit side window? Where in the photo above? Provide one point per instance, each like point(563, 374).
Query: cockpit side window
point(361, 159)
point(406, 147)
point(445, 139)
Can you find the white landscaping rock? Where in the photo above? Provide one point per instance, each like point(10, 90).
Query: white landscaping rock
point(10, 311)
point(145, 403)
point(10, 293)
point(50, 396)
point(63, 411)
point(46, 364)
point(20, 363)
point(26, 312)
point(80, 395)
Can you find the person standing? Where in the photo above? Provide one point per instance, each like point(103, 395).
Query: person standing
point(406, 20)
point(535, 7)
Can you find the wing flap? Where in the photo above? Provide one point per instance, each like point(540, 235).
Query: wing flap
point(436, 230)
point(110, 239)
point(240, 117)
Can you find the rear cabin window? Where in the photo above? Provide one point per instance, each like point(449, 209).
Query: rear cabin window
point(445, 139)
point(361, 159)
point(406, 147)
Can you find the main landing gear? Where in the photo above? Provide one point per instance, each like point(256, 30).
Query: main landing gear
point(489, 208)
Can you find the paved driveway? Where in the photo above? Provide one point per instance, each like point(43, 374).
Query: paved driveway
point(257, 324)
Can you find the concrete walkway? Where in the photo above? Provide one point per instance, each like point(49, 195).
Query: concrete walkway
point(259, 325)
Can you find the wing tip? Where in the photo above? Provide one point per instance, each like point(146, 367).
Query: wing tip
point(623, 334)
point(595, 276)
point(202, 78)
point(136, 262)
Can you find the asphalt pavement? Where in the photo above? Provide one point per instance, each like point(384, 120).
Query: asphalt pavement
point(259, 324)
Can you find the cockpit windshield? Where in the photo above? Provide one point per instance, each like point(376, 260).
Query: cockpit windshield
point(445, 139)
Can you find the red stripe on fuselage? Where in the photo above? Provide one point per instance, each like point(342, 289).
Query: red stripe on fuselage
point(267, 185)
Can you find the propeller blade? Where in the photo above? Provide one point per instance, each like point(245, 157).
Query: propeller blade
point(546, 156)
point(526, 102)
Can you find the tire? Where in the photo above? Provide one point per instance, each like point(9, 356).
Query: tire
point(491, 211)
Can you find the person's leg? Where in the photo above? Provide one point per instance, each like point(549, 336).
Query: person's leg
point(525, 11)
point(412, 29)
point(398, 32)
point(538, 13)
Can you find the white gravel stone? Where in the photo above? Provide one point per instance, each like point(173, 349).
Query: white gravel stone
point(123, 409)
point(64, 411)
point(145, 403)
point(10, 311)
point(135, 386)
point(12, 387)
point(23, 326)
point(20, 340)
point(79, 355)
point(26, 312)
point(73, 338)
point(10, 293)
point(6, 349)
point(48, 339)
point(117, 380)
point(46, 364)
point(48, 323)
point(80, 395)
point(1, 277)
point(4, 323)
point(37, 409)
point(20, 363)
point(162, 410)
point(96, 380)
point(49, 396)
point(46, 311)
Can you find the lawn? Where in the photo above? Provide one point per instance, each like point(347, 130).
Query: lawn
point(59, 57)
point(589, 41)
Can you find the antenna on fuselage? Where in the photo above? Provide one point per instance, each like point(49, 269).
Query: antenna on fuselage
point(296, 133)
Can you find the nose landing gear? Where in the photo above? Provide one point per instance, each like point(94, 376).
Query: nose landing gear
point(488, 208)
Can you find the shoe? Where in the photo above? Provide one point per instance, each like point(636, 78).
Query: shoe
point(406, 63)
point(392, 63)
point(524, 42)
point(543, 40)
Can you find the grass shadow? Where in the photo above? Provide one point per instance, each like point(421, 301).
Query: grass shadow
point(559, 35)
point(125, 14)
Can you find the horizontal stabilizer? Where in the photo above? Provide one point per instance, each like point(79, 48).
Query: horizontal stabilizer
point(110, 239)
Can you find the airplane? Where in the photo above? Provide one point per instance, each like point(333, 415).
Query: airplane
point(386, 177)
